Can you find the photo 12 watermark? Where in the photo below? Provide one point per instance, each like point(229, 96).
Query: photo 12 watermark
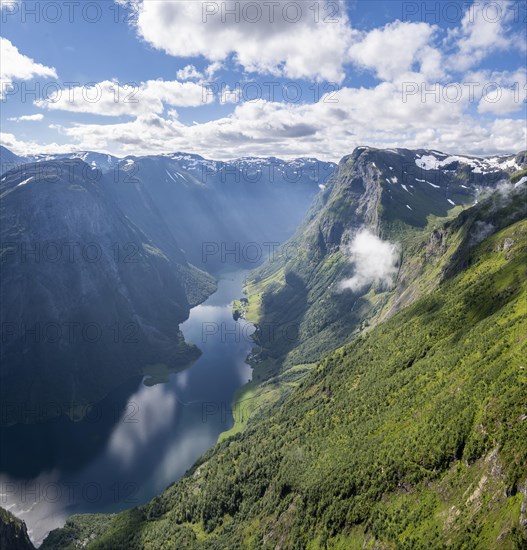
point(468, 92)
point(53, 412)
point(271, 12)
point(69, 11)
point(437, 12)
point(254, 253)
point(68, 252)
point(35, 492)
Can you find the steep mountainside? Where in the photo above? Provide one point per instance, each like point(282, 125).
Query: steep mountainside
point(410, 436)
point(8, 160)
point(88, 299)
point(400, 196)
point(13, 533)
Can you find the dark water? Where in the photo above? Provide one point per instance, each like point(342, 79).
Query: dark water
point(139, 439)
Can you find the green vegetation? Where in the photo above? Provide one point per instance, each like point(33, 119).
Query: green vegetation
point(299, 290)
point(516, 177)
point(410, 436)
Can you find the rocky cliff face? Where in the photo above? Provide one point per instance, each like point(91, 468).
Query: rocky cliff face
point(13, 533)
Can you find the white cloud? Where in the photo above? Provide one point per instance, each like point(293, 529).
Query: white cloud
point(283, 38)
point(16, 66)
point(8, 4)
point(378, 116)
point(111, 98)
point(230, 95)
point(484, 29)
point(375, 261)
point(358, 116)
point(189, 73)
point(397, 49)
point(503, 93)
point(24, 148)
point(213, 68)
point(30, 118)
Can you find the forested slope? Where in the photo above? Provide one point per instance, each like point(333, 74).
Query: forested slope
point(410, 436)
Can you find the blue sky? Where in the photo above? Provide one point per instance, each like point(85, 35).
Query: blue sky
point(310, 79)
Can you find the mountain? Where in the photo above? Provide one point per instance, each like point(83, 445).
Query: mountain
point(88, 298)
point(8, 160)
point(13, 533)
point(221, 212)
point(309, 293)
point(411, 435)
point(101, 161)
point(95, 247)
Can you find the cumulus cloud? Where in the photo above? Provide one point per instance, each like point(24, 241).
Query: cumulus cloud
point(110, 98)
point(281, 38)
point(359, 116)
point(230, 95)
point(374, 260)
point(380, 115)
point(484, 30)
point(505, 92)
point(8, 4)
point(17, 66)
point(397, 49)
point(24, 148)
point(29, 118)
point(189, 73)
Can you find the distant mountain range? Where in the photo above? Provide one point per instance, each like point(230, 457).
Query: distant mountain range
point(210, 207)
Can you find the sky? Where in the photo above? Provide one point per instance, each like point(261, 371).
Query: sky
point(226, 79)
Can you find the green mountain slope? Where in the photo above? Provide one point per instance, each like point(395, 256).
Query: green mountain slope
point(390, 193)
point(411, 436)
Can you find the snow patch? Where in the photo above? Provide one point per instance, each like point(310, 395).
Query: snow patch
point(429, 183)
point(479, 166)
point(171, 176)
point(25, 182)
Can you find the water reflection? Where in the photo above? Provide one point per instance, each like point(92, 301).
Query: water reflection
point(142, 438)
